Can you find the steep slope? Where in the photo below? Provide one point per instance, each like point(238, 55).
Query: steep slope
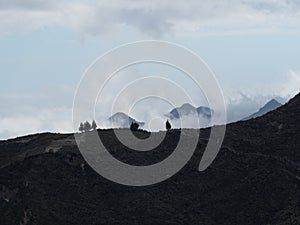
point(254, 180)
point(268, 107)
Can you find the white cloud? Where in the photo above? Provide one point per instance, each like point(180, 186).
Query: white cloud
point(291, 86)
point(151, 18)
point(245, 101)
point(39, 120)
point(243, 105)
point(47, 110)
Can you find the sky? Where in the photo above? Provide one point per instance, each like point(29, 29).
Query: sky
point(252, 46)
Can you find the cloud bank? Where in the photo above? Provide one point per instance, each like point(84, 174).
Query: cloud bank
point(150, 18)
point(52, 111)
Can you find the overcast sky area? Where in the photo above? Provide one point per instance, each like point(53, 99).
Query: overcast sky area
point(252, 46)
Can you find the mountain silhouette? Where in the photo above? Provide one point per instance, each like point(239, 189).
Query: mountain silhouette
point(268, 107)
point(254, 179)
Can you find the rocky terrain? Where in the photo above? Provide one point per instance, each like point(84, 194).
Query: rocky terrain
point(255, 179)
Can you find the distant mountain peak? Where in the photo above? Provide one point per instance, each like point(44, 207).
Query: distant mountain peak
point(272, 102)
point(122, 120)
point(187, 109)
point(187, 106)
point(268, 107)
point(205, 111)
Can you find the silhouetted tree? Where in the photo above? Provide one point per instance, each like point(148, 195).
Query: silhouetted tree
point(134, 126)
point(168, 125)
point(81, 129)
point(94, 125)
point(87, 126)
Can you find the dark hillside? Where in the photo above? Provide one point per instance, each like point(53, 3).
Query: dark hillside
point(254, 180)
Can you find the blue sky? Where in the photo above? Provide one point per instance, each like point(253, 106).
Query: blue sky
point(253, 47)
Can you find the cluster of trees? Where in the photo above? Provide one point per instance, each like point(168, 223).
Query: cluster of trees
point(134, 126)
point(86, 126)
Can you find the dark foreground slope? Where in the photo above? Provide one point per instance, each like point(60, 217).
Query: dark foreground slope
point(254, 180)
